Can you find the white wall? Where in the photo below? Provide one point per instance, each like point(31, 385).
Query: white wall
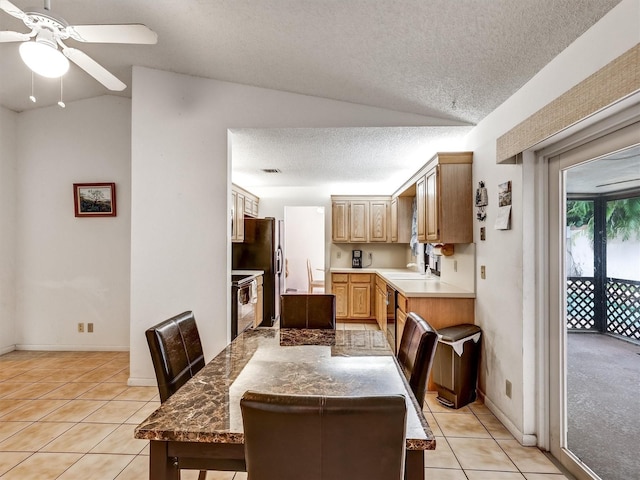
point(180, 254)
point(70, 269)
point(508, 346)
point(8, 163)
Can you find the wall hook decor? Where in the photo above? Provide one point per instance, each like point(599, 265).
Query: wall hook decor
point(482, 200)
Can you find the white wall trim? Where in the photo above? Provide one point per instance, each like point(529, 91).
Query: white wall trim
point(73, 348)
point(7, 349)
point(141, 382)
point(527, 440)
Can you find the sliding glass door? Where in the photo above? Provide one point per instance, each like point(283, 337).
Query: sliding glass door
point(594, 315)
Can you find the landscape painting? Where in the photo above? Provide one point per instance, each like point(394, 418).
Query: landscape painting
point(94, 199)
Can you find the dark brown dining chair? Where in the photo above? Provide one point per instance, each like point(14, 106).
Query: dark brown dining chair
point(176, 352)
point(293, 437)
point(415, 354)
point(302, 310)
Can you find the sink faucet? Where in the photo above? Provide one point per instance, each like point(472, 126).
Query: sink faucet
point(418, 266)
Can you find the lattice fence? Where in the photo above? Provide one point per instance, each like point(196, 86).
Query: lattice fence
point(580, 303)
point(623, 307)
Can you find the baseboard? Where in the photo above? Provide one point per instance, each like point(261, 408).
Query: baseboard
point(7, 349)
point(141, 382)
point(73, 348)
point(526, 440)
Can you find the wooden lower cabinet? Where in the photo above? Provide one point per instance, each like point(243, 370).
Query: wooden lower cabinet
point(438, 312)
point(260, 303)
point(353, 293)
point(381, 303)
point(340, 288)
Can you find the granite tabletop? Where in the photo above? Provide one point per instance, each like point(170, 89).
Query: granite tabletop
point(290, 361)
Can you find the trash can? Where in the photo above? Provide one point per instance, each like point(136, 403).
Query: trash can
point(455, 366)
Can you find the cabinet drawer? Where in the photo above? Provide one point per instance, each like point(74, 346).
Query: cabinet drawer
point(360, 278)
point(339, 277)
point(381, 284)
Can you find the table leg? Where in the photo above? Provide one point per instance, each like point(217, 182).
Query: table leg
point(161, 465)
point(414, 465)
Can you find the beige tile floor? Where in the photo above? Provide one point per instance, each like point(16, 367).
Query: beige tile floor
point(71, 415)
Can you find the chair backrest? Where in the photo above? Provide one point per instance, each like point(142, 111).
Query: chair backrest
point(293, 437)
point(309, 271)
point(415, 354)
point(176, 352)
point(313, 310)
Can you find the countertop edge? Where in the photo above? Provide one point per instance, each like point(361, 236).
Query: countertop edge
point(445, 290)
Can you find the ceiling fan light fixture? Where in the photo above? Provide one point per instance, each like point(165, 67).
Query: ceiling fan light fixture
point(44, 59)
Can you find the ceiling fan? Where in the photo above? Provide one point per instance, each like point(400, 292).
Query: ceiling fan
point(48, 32)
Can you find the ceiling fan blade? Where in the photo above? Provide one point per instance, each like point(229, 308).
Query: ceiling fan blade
point(12, 10)
point(94, 69)
point(8, 36)
point(124, 33)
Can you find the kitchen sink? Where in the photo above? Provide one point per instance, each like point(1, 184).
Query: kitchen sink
point(407, 276)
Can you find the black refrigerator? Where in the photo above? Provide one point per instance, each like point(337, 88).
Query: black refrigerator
point(262, 250)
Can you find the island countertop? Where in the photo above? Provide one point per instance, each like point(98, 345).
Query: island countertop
point(411, 284)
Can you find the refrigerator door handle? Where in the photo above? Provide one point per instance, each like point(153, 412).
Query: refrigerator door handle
point(279, 261)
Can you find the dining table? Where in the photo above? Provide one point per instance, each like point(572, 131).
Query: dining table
point(200, 426)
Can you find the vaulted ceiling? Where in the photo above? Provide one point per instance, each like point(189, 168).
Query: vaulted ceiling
point(453, 60)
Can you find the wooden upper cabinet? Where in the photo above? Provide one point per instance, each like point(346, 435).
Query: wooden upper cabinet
point(400, 219)
point(394, 219)
point(432, 225)
point(243, 204)
point(237, 216)
point(421, 209)
point(378, 220)
point(359, 221)
point(444, 200)
point(340, 221)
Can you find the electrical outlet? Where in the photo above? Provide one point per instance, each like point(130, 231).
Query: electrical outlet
point(455, 265)
point(338, 254)
point(370, 256)
point(483, 272)
point(80, 327)
point(507, 389)
point(90, 327)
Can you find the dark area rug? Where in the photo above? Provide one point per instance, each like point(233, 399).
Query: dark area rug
point(603, 402)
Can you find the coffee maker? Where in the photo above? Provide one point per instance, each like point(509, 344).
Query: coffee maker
point(356, 259)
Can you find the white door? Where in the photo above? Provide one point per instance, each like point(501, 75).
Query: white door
point(303, 240)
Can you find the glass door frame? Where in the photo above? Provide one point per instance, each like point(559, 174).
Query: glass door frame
point(554, 270)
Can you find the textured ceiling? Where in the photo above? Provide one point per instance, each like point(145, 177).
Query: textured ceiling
point(344, 160)
point(455, 60)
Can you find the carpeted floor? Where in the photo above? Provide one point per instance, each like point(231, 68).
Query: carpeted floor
point(603, 402)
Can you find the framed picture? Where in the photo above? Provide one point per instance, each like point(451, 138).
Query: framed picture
point(94, 199)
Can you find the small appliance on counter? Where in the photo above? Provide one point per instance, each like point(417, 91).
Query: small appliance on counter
point(356, 259)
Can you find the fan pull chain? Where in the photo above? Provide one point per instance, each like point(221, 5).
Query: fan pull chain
point(61, 103)
point(32, 97)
